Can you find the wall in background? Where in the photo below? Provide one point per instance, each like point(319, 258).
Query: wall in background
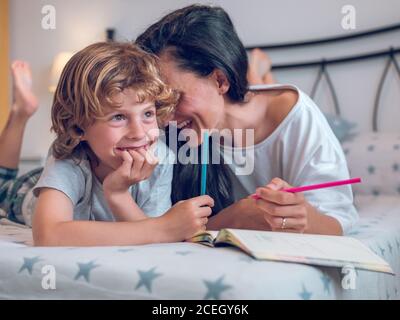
point(79, 23)
point(4, 62)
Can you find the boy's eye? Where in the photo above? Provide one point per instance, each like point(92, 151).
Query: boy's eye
point(118, 117)
point(149, 114)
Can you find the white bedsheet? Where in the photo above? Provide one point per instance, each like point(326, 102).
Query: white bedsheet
point(192, 271)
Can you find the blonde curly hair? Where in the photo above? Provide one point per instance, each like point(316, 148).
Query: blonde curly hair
point(89, 81)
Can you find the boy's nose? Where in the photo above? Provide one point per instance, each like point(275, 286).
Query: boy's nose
point(136, 131)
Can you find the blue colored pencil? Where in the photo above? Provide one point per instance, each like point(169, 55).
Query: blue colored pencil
point(204, 162)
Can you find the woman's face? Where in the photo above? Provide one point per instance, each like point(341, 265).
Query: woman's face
point(201, 106)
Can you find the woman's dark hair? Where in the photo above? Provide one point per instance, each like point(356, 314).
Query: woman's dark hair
point(201, 39)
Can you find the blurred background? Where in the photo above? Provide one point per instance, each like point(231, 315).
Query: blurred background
point(258, 22)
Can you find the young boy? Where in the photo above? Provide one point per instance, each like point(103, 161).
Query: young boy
point(101, 184)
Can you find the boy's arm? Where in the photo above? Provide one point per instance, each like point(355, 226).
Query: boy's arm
point(243, 214)
point(56, 227)
point(155, 199)
point(53, 224)
point(123, 207)
point(136, 166)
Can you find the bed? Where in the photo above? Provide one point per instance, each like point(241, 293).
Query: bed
point(193, 271)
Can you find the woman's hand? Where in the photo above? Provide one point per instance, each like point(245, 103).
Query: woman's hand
point(284, 211)
point(136, 166)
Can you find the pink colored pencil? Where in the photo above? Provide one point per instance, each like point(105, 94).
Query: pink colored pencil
point(317, 186)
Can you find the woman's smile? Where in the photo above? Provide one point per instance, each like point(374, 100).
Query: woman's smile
point(184, 124)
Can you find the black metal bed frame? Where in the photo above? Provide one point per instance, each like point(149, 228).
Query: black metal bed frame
point(323, 63)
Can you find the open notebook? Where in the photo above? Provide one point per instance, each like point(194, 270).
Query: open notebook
point(322, 250)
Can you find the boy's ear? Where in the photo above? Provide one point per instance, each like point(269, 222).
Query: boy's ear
point(221, 80)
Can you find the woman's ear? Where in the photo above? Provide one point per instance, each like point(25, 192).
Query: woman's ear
point(221, 80)
point(80, 133)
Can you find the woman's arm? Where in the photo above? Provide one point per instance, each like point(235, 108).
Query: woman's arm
point(291, 212)
point(319, 223)
point(246, 214)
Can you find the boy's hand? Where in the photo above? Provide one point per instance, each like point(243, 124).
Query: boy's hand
point(284, 211)
point(187, 217)
point(136, 166)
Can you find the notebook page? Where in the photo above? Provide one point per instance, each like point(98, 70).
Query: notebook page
point(308, 248)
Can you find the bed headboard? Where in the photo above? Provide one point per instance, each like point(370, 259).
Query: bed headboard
point(323, 65)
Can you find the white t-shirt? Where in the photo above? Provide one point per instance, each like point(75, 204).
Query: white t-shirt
point(302, 150)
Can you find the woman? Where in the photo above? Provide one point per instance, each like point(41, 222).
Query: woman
point(202, 57)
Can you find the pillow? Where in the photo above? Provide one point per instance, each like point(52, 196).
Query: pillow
point(375, 157)
point(342, 128)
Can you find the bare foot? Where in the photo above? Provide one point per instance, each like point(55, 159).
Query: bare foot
point(259, 67)
point(25, 102)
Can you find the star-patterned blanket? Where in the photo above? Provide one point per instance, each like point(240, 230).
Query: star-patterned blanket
point(193, 271)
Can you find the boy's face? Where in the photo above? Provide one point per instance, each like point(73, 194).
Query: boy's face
point(132, 126)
